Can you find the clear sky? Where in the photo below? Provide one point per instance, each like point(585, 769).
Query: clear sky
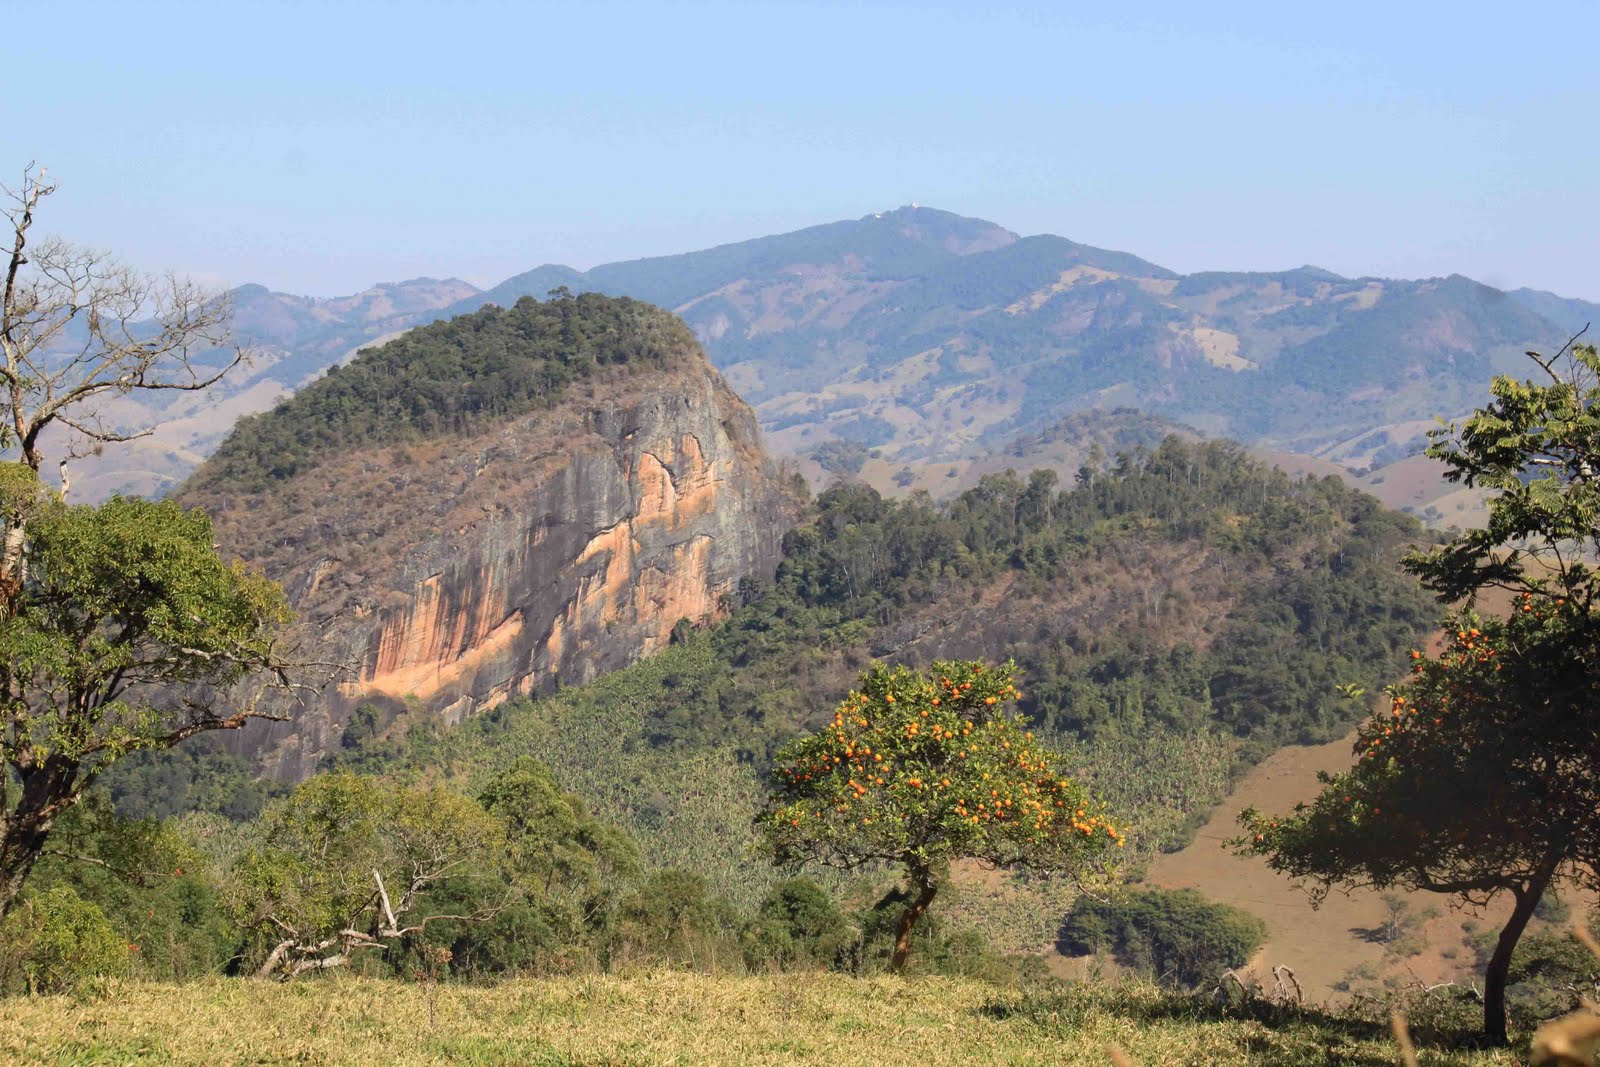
point(318, 148)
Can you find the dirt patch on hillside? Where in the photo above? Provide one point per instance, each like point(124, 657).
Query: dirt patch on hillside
point(1323, 944)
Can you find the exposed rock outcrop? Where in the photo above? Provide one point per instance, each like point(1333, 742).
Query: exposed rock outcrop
point(461, 571)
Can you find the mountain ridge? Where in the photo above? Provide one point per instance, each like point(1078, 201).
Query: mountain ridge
point(936, 338)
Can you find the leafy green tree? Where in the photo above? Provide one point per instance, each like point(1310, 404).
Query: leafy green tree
point(1174, 935)
point(129, 633)
point(552, 837)
point(56, 940)
point(1536, 447)
point(564, 870)
point(157, 891)
point(798, 924)
point(675, 917)
point(348, 864)
point(1481, 775)
point(919, 768)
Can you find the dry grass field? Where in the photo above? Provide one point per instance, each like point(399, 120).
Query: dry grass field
point(674, 1018)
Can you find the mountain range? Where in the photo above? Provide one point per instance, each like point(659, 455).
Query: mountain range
point(931, 338)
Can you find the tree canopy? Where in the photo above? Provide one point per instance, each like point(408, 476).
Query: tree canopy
point(129, 633)
point(1478, 775)
point(447, 377)
point(918, 768)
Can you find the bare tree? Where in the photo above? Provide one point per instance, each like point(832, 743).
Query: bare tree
point(78, 328)
point(121, 629)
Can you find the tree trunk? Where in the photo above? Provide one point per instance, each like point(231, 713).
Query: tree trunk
point(47, 790)
point(1494, 976)
point(22, 842)
point(923, 888)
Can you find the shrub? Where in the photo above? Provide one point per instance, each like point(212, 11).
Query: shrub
point(675, 918)
point(1175, 935)
point(56, 940)
point(798, 925)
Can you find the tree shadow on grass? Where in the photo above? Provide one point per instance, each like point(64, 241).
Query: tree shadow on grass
point(1344, 1038)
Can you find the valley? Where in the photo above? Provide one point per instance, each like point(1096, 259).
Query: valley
point(554, 558)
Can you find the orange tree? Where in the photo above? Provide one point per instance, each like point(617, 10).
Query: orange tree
point(917, 768)
point(1480, 776)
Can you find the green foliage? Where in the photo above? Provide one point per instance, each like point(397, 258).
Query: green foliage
point(1174, 935)
point(1456, 788)
point(55, 941)
point(158, 893)
point(1479, 775)
point(125, 602)
point(1324, 607)
point(200, 775)
point(797, 925)
point(924, 767)
point(323, 849)
point(675, 918)
point(1550, 971)
point(448, 377)
point(1536, 446)
point(126, 635)
point(553, 839)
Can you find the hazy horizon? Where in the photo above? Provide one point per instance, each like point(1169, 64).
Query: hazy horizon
point(321, 149)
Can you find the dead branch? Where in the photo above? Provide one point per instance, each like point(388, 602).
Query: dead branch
point(1278, 975)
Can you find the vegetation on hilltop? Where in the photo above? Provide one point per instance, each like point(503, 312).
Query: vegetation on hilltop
point(445, 378)
point(1174, 936)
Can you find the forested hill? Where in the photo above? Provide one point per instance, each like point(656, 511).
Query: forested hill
point(1179, 611)
point(498, 504)
point(1186, 588)
point(448, 377)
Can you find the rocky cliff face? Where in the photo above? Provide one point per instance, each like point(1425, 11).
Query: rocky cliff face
point(455, 574)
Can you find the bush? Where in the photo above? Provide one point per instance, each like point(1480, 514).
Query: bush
point(55, 941)
point(1174, 935)
point(674, 918)
point(798, 925)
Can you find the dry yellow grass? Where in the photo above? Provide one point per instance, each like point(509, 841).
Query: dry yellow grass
point(671, 1018)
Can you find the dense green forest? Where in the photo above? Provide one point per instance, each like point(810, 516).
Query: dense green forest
point(448, 377)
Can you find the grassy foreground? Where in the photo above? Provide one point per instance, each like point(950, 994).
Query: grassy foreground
point(670, 1018)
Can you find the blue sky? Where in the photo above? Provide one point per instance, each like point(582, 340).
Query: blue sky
point(318, 148)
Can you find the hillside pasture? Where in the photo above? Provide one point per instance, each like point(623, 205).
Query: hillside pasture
point(681, 1018)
